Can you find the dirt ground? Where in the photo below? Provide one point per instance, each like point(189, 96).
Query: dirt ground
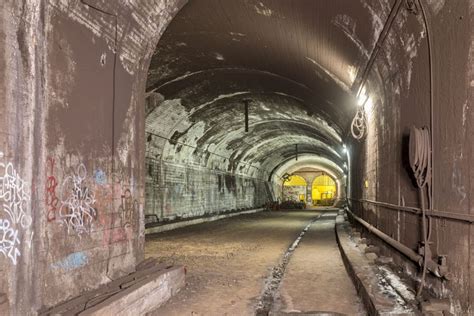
point(228, 261)
point(316, 278)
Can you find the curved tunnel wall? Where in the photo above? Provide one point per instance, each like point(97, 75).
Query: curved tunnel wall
point(399, 87)
point(73, 76)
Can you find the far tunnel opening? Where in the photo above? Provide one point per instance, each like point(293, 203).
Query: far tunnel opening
point(294, 189)
point(324, 190)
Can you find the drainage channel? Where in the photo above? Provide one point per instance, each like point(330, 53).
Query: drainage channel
point(272, 283)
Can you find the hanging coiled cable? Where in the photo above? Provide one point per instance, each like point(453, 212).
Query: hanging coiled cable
point(420, 162)
point(359, 124)
point(420, 151)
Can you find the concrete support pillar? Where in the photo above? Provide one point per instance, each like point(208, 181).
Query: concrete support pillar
point(309, 193)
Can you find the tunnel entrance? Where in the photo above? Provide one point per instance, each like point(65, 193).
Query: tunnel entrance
point(295, 189)
point(222, 131)
point(324, 190)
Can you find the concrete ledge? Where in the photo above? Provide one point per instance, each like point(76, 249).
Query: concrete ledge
point(144, 296)
point(377, 295)
point(135, 294)
point(184, 222)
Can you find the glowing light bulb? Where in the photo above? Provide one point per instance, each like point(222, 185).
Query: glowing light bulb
point(362, 99)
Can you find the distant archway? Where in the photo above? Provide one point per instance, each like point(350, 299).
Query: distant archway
point(294, 189)
point(324, 190)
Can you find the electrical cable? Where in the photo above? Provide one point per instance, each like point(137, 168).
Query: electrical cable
point(114, 88)
point(420, 162)
point(430, 140)
point(430, 62)
point(359, 124)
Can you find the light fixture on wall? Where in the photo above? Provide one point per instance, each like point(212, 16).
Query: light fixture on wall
point(286, 177)
point(362, 99)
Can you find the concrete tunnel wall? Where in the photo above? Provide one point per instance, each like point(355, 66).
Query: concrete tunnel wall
point(73, 116)
point(72, 144)
point(399, 85)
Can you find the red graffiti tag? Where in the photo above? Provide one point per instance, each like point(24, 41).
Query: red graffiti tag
point(51, 199)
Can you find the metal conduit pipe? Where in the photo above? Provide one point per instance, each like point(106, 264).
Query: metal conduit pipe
point(417, 211)
point(436, 269)
point(392, 242)
point(358, 85)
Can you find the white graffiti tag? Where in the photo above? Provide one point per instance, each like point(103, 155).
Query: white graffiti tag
point(9, 241)
point(14, 201)
point(14, 196)
point(77, 203)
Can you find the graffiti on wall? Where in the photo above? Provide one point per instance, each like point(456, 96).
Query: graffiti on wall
point(9, 241)
point(127, 210)
point(14, 202)
point(100, 177)
point(14, 195)
point(71, 262)
point(128, 207)
point(77, 211)
point(52, 201)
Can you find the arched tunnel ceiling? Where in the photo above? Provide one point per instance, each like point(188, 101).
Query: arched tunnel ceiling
point(296, 62)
